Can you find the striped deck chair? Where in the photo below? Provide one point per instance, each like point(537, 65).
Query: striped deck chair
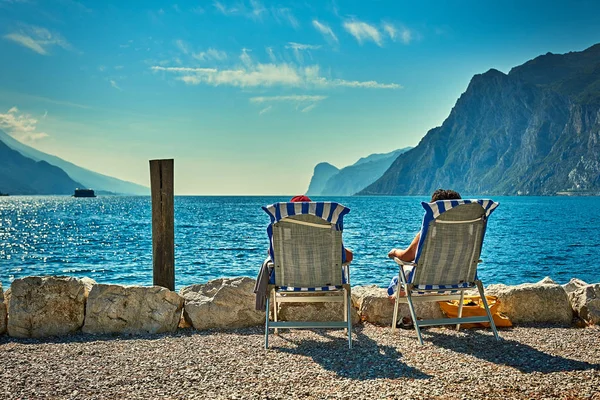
point(307, 256)
point(446, 261)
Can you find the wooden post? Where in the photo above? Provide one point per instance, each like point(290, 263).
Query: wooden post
point(163, 223)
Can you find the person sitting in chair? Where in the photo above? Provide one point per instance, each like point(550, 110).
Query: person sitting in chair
point(260, 288)
point(410, 252)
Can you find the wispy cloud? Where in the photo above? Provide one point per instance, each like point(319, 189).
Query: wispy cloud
point(265, 110)
point(293, 98)
point(363, 31)
point(266, 75)
point(402, 34)
point(223, 9)
point(38, 39)
point(308, 108)
point(299, 47)
point(302, 102)
point(325, 31)
point(114, 84)
point(210, 54)
point(257, 10)
point(21, 126)
point(285, 15)
point(271, 54)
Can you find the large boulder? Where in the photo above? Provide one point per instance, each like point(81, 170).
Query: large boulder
point(374, 306)
point(132, 310)
point(541, 302)
point(225, 303)
point(586, 303)
point(2, 312)
point(323, 312)
point(46, 306)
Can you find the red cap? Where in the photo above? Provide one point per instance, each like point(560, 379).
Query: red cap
point(300, 199)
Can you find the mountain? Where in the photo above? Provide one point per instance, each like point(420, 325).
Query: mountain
point(87, 178)
point(322, 172)
point(22, 175)
point(351, 179)
point(533, 131)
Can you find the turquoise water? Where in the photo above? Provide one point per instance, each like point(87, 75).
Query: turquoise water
point(109, 238)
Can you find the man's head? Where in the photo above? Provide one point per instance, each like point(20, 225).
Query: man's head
point(442, 194)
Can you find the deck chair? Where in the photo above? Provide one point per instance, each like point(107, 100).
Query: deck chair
point(307, 256)
point(446, 261)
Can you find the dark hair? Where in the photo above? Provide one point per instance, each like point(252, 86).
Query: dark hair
point(443, 194)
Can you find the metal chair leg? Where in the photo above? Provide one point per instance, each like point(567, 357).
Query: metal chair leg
point(460, 308)
point(487, 309)
point(413, 315)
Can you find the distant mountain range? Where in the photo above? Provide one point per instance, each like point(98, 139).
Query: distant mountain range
point(328, 180)
point(80, 177)
point(534, 131)
point(22, 175)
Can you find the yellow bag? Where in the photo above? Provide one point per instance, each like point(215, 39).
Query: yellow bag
point(473, 307)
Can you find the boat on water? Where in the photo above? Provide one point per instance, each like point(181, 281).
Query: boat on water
point(84, 193)
point(4, 194)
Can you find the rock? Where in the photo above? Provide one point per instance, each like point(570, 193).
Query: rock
point(46, 306)
point(586, 303)
point(3, 313)
point(224, 303)
point(573, 285)
point(132, 310)
point(541, 302)
point(321, 312)
point(375, 307)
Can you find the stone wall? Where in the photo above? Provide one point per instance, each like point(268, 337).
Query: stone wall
point(53, 306)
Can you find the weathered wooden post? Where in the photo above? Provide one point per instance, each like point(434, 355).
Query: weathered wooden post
point(163, 223)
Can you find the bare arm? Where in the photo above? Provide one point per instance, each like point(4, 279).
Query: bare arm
point(409, 253)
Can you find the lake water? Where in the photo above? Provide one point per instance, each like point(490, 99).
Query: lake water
point(109, 238)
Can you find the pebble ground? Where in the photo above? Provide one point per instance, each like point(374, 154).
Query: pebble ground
point(530, 363)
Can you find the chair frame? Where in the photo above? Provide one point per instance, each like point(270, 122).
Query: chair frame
point(412, 295)
point(342, 295)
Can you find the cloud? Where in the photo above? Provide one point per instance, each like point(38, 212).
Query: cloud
point(182, 46)
point(292, 98)
point(266, 75)
point(303, 102)
point(114, 84)
point(21, 126)
point(224, 9)
point(264, 110)
point(325, 31)
point(299, 47)
point(38, 39)
point(210, 54)
point(257, 10)
point(391, 31)
point(308, 108)
point(285, 15)
point(272, 57)
point(403, 34)
point(363, 31)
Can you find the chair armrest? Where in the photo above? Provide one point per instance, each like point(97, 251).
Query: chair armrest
point(401, 263)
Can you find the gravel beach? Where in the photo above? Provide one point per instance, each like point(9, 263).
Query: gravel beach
point(530, 363)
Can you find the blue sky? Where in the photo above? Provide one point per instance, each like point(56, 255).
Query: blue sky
point(247, 96)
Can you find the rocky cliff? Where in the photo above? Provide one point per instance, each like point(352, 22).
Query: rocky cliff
point(353, 178)
point(534, 131)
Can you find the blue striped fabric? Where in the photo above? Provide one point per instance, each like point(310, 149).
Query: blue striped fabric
point(305, 289)
point(435, 209)
point(331, 212)
point(393, 286)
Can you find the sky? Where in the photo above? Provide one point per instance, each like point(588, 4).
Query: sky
point(249, 95)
